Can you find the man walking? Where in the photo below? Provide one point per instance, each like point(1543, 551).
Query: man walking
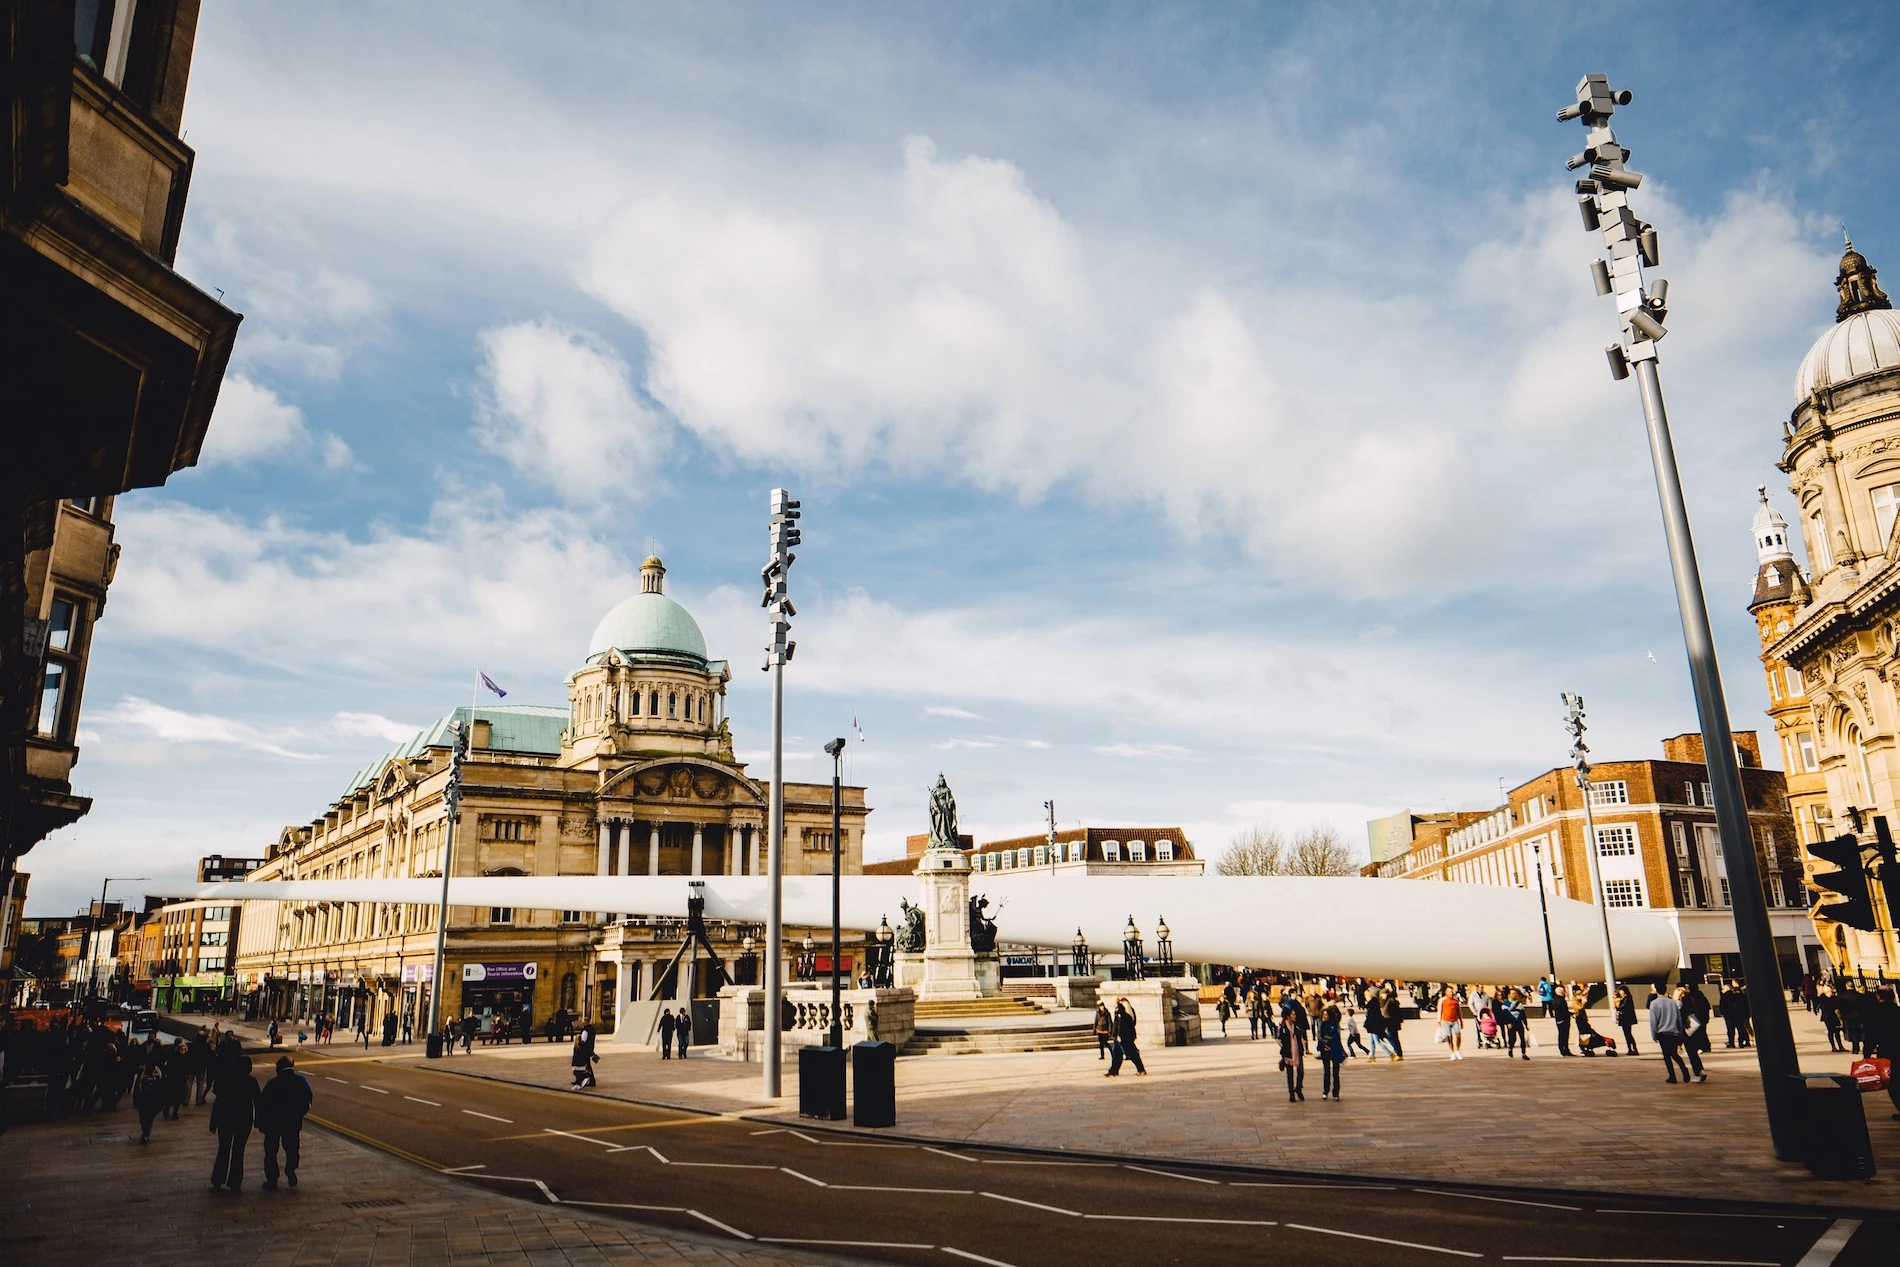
point(1695, 1027)
point(1558, 1006)
point(1125, 1045)
point(667, 1025)
point(281, 1106)
point(1510, 1013)
point(1104, 1031)
point(582, 1059)
point(233, 1110)
point(1665, 1029)
point(682, 1031)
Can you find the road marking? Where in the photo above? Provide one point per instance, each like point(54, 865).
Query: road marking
point(462, 1170)
point(793, 1240)
point(545, 1190)
point(722, 1165)
point(1169, 1174)
point(549, 1130)
point(724, 1227)
point(1159, 1218)
point(641, 1148)
point(367, 1087)
point(373, 1142)
point(622, 1205)
point(1005, 1161)
point(1713, 1214)
point(946, 1153)
point(842, 1143)
point(490, 1116)
point(1473, 1196)
point(1341, 1187)
point(1361, 1236)
point(1656, 1262)
point(434, 1104)
point(1832, 1242)
point(817, 1183)
point(632, 1126)
point(328, 1078)
point(1034, 1205)
point(947, 1192)
point(777, 1130)
point(975, 1258)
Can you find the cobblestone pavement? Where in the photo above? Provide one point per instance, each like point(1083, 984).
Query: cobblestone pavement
point(1587, 1124)
point(83, 1190)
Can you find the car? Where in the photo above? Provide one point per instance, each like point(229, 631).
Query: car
point(143, 1025)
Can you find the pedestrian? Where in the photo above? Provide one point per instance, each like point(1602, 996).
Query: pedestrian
point(1375, 1026)
point(1558, 1009)
point(667, 1025)
point(1293, 1036)
point(281, 1106)
point(1733, 1005)
point(149, 1097)
point(583, 1059)
point(1695, 1027)
point(276, 1036)
point(389, 1029)
point(683, 1031)
point(1126, 1047)
point(408, 1028)
point(1665, 1030)
point(1626, 1017)
point(1353, 1038)
point(1510, 1012)
point(233, 1111)
point(1224, 1010)
point(1256, 1011)
point(469, 1026)
point(1828, 1007)
point(1451, 1025)
point(1104, 1031)
point(1332, 1056)
point(1394, 1018)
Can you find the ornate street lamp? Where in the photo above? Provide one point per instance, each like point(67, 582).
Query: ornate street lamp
point(749, 961)
point(1079, 955)
point(1164, 947)
point(881, 978)
point(1131, 950)
point(807, 961)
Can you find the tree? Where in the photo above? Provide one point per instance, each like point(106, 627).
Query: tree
point(1256, 850)
point(1320, 850)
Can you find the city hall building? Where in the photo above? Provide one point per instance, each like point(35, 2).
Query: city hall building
point(635, 776)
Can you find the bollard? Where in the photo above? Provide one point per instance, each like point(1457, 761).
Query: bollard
point(821, 1083)
point(874, 1084)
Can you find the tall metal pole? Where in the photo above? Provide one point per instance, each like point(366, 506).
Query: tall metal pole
point(784, 535)
point(452, 799)
point(836, 749)
point(1603, 197)
point(1543, 906)
point(1580, 754)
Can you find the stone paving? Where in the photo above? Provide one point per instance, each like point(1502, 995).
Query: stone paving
point(1596, 1124)
point(83, 1191)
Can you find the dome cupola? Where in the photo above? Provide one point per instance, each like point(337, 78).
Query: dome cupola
point(649, 625)
point(1865, 339)
point(1771, 531)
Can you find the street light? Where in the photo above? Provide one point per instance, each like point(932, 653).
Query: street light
point(92, 959)
point(1131, 949)
point(783, 534)
point(807, 966)
point(1164, 946)
point(1543, 906)
point(1603, 198)
point(835, 750)
point(452, 800)
point(881, 978)
point(1580, 755)
point(1079, 955)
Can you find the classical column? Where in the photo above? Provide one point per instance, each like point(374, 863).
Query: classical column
point(699, 855)
point(653, 851)
point(606, 848)
point(626, 848)
point(757, 839)
point(732, 854)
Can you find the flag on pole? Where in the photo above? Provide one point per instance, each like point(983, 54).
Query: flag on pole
point(855, 726)
point(490, 684)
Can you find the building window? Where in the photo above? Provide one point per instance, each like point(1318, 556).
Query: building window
point(1616, 842)
point(1615, 793)
point(87, 505)
point(653, 704)
point(1809, 761)
point(1623, 893)
point(1137, 851)
point(1725, 891)
point(634, 704)
point(53, 698)
point(501, 914)
point(1164, 851)
point(1042, 855)
point(1685, 888)
point(1111, 851)
point(1796, 684)
point(571, 917)
point(1886, 502)
point(1774, 684)
point(1775, 892)
point(1823, 556)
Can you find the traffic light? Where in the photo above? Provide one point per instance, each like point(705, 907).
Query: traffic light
point(1855, 907)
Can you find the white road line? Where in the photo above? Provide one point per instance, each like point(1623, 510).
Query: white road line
point(1034, 1205)
point(724, 1227)
point(635, 1148)
point(490, 1116)
point(816, 1183)
point(1361, 1236)
point(1169, 1174)
point(1651, 1262)
point(1340, 1187)
point(1159, 1218)
point(585, 1139)
point(975, 1258)
point(1473, 1196)
point(1005, 1161)
point(328, 1078)
point(367, 1087)
point(777, 1130)
point(1714, 1214)
point(1832, 1242)
point(462, 1170)
point(946, 1192)
point(721, 1165)
point(622, 1205)
point(434, 1104)
point(545, 1190)
point(946, 1153)
point(793, 1240)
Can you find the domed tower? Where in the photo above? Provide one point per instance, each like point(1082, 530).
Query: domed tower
point(1780, 594)
point(647, 685)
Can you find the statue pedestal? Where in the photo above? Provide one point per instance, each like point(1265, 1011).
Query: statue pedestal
point(909, 970)
point(950, 965)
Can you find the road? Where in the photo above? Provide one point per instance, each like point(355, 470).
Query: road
point(901, 1202)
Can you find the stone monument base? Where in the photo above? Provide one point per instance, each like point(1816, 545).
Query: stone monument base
point(951, 973)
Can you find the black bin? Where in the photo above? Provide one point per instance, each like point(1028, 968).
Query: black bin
point(821, 1083)
point(705, 1016)
point(1832, 1126)
point(874, 1084)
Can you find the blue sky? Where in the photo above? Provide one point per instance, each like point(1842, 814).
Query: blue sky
point(1199, 411)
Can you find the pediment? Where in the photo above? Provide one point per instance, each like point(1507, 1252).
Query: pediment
point(691, 780)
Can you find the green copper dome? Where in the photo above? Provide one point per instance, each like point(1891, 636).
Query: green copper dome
point(649, 623)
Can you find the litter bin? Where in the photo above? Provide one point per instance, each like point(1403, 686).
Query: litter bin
point(821, 1083)
point(873, 1084)
point(1833, 1126)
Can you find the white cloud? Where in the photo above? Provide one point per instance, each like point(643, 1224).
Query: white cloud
point(252, 423)
point(948, 710)
point(374, 726)
point(559, 404)
point(173, 726)
point(1142, 751)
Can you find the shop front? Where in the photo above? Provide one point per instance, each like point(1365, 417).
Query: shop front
point(500, 993)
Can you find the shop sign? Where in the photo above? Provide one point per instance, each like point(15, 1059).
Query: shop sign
point(499, 973)
point(414, 972)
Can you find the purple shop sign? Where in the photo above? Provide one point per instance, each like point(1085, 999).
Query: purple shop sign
point(412, 973)
point(501, 973)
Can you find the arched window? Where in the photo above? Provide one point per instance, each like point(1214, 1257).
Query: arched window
point(635, 711)
point(653, 704)
point(672, 704)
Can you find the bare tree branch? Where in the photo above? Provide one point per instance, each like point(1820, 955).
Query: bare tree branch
point(1321, 850)
point(1256, 850)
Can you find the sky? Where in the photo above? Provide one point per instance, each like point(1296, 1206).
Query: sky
point(1199, 412)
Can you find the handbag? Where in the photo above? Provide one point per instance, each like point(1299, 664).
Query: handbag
point(1692, 1027)
point(1444, 1033)
point(1872, 1073)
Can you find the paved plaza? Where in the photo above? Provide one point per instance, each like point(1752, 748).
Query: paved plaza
point(1602, 1125)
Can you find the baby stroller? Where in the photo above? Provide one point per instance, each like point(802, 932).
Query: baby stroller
point(1487, 1029)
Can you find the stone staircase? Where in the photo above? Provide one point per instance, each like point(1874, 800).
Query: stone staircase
point(964, 1042)
point(963, 1009)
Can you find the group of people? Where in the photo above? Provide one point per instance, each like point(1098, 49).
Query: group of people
point(1117, 1038)
point(1845, 1007)
point(239, 1106)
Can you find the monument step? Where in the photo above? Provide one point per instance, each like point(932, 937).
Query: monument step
point(946, 1009)
point(942, 1043)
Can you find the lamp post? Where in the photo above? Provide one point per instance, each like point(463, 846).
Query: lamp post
point(835, 750)
point(784, 534)
point(1079, 955)
point(1164, 947)
point(1131, 950)
point(1575, 723)
point(882, 978)
point(93, 989)
point(452, 799)
point(1603, 198)
point(1543, 907)
point(807, 966)
point(749, 959)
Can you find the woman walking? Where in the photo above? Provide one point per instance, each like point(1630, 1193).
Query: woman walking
point(1332, 1056)
point(1293, 1034)
point(1393, 1019)
point(1104, 1031)
point(1626, 1017)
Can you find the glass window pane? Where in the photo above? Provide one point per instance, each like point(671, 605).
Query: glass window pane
point(60, 628)
point(51, 689)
